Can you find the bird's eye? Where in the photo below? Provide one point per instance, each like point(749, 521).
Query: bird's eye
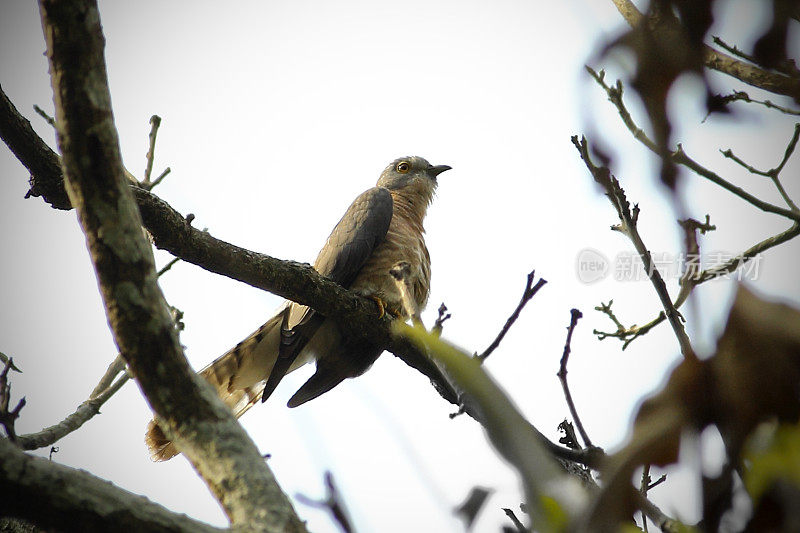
point(403, 167)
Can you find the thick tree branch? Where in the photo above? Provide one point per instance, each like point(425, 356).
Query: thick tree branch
point(143, 329)
point(78, 501)
point(40, 160)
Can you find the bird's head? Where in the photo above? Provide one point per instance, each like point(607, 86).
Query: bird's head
point(411, 174)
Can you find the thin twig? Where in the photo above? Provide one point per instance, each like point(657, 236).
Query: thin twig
point(443, 317)
point(754, 251)
point(744, 97)
point(42, 113)
point(643, 488)
point(773, 173)
point(657, 482)
point(691, 280)
point(517, 524)
point(84, 412)
point(529, 292)
point(166, 267)
point(116, 366)
point(679, 156)
point(656, 515)
point(575, 315)
point(155, 122)
point(734, 50)
point(628, 226)
point(333, 503)
point(160, 178)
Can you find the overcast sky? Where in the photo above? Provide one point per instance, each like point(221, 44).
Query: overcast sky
point(275, 116)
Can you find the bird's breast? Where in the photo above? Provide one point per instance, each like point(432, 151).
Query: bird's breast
point(403, 242)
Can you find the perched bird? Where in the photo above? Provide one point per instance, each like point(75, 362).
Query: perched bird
point(381, 228)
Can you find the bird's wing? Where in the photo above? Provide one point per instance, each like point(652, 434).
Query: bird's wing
point(350, 244)
point(272, 350)
point(352, 241)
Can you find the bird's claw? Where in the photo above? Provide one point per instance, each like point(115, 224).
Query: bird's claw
point(381, 306)
point(384, 308)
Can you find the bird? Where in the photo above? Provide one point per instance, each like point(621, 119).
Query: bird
point(383, 227)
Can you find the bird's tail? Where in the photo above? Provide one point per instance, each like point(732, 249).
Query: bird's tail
point(238, 377)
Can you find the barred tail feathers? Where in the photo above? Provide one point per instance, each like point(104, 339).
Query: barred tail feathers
point(237, 376)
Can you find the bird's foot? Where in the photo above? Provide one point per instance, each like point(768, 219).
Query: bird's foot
point(384, 308)
point(381, 306)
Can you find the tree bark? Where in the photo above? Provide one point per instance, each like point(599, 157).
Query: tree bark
point(204, 428)
point(55, 496)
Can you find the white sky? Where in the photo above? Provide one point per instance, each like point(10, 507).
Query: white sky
point(275, 116)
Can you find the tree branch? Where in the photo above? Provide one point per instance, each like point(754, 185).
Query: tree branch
point(88, 409)
point(575, 315)
point(679, 156)
point(628, 226)
point(529, 292)
point(78, 501)
point(143, 329)
point(40, 160)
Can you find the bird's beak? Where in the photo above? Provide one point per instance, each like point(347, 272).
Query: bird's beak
point(438, 169)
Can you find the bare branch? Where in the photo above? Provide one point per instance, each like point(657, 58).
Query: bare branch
point(643, 486)
point(690, 279)
point(744, 97)
point(575, 315)
point(517, 524)
point(628, 226)
point(656, 515)
point(529, 292)
point(144, 331)
point(155, 122)
point(160, 177)
point(84, 412)
point(47, 118)
point(163, 270)
point(773, 173)
point(77, 501)
point(116, 366)
point(679, 156)
point(333, 502)
point(443, 317)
